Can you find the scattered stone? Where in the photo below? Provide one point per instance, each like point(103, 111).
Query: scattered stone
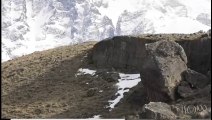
point(108, 76)
point(204, 114)
point(196, 79)
point(184, 89)
point(157, 111)
point(38, 111)
point(91, 92)
point(132, 117)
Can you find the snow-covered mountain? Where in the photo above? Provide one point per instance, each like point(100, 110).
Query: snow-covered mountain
point(34, 25)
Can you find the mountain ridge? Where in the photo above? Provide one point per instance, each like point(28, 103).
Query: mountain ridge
point(32, 25)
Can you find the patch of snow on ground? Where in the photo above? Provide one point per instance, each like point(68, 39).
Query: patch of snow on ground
point(126, 82)
point(95, 117)
point(84, 71)
point(98, 117)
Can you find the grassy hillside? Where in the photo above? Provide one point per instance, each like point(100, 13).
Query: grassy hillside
point(43, 85)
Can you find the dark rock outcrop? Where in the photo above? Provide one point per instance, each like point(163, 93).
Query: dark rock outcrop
point(162, 61)
point(120, 52)
point(198, 52)
point(161, 73)
point(127, 52)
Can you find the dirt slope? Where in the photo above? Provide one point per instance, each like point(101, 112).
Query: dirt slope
point(43, 85)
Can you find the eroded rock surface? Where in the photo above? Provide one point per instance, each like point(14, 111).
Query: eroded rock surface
point(161, 73)
point(128, 52)
point(119, 52)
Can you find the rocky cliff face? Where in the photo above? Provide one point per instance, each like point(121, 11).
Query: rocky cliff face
point(120, 52)
point(127, 52)
point(198, 52)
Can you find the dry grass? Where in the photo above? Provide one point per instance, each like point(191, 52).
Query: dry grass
point(174, 37)
point(43, 85)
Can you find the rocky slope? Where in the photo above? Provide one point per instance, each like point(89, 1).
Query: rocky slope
point(54, 83)
point(170, 89)
point(186, 92)
point(35, 25)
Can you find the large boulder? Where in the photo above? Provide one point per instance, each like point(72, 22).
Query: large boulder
point(161, 73)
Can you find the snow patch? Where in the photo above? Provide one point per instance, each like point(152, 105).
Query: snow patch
point(95, 117)
point(98, 117)
point(85, 71)
point(126, 82)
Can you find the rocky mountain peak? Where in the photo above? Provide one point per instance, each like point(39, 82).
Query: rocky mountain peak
point(35, 25)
